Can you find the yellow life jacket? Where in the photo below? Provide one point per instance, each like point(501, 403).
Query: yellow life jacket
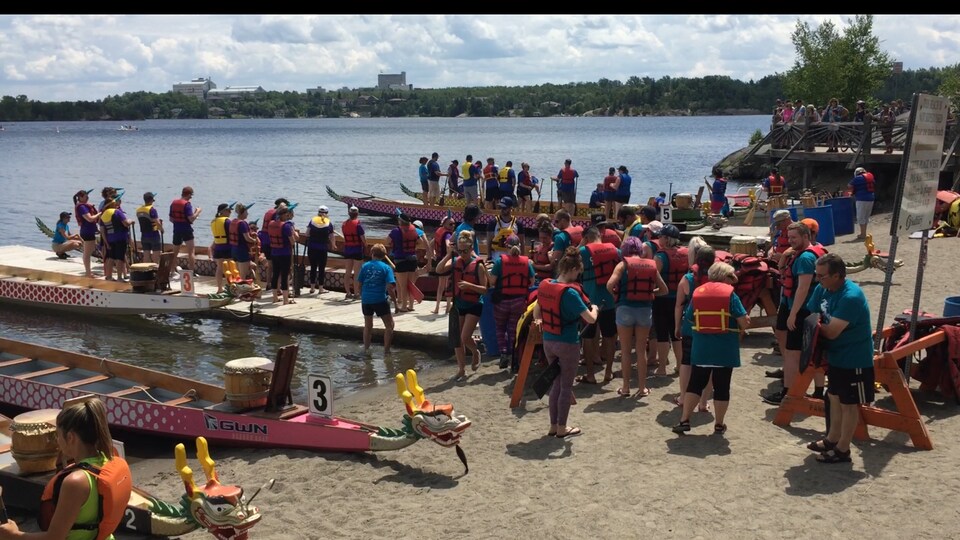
point(106, 218)
point(143, 217)
point(465, 170)
point(504, 172)
point(500, 240)
point(320, 221)
point(953, 216)
point(219, 228)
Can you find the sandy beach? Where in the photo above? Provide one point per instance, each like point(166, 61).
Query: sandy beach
point(627, 475)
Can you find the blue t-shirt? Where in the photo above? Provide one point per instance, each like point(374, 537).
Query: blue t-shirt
point(853, 348)
point(374, 276)
point(597, 292)
point(62, 233)
point(466, 227)
point(635, 229)
point(424, 172)
point(596, 199)
point(571, 306)
point(433, 171)
point(624, 189)
point(806, 263)
point(717, 349)
point(859, 187)
point(561, 241)
point(719, 191)
point(498, 272)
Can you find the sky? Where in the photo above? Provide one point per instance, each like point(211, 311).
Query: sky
point(90, 57)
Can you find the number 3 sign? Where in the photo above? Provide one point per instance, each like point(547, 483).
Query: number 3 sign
point(320, 395)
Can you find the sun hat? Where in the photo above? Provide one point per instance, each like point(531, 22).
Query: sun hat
point(781, 215)
point(657, 228)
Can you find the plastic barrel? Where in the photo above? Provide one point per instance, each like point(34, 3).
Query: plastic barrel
point(951, 306)
point(792, 210)
point(824, 217)
point(488, 327)
point(843, 215)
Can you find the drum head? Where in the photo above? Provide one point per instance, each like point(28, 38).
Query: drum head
point(39, 416)
point(743, 240)
point(251, 363)
point(144, 267)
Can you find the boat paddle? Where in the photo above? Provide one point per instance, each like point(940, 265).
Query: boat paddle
point(536, 205)
point(551, 196)
point(748, 221)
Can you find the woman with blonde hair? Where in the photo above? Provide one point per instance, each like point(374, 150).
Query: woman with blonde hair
point(701, 257)
point(470, 280)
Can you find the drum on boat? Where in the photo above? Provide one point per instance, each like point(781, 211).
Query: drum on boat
point(33, 441)
point(744, 244)
point(684, 201)
point(776, 202)
point(246, 381)
point(143, 276)
point(808, 201)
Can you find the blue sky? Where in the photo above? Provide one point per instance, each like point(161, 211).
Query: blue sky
point(89, 57)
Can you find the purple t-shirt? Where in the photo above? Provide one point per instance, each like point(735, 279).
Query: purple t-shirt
point(397, 238)
point(87, 228)
point(119, 228)
point(242, 229)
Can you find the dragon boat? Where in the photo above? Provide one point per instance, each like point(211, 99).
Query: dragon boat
point(451, 202)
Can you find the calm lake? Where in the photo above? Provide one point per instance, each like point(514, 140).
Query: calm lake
point(255, 161)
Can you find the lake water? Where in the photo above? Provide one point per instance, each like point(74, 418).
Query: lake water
point(255, 161)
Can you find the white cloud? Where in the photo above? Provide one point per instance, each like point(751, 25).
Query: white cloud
point(79, 57)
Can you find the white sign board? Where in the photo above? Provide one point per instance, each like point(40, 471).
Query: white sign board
point(923, 164)
point(320, 395)
point(666, 214)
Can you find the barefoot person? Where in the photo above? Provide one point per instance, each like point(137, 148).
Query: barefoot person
point(115, 226)
point(470, 280)
point(354, 242)
point(63, 239)
point(715, 313)
point(376, 281)
point(87, 218)
point(560, 305)
point(220, 250)
point(241, 238)
point(441, 238)
point(182, 215)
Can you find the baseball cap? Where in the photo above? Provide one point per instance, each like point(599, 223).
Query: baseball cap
point(149, 196)
point(598, 219)
point(506, 202)
point(353, 209)
point(323, 209)
point(669, 229)
point(657, 228)
point(222, 206)
point(418, 224)
point(512, 240)
point(65, 214)
point(811, 224)
point(404, 217)
point(859, 171)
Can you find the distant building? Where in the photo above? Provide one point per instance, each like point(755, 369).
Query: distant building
point(317, 90)
point(387, 81)
point(197, 88)
point(234, 92)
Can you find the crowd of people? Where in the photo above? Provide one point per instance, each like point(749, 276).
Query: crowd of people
point(795, 112)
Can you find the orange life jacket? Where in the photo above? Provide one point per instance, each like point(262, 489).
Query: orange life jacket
point(641, 279)
point(488, 173)
point(268, 216)
point(408, 244)
point(575, 234)
point(787, 279)
point(178, 211)
point(711, 308)
point(868, 176)
point(567, 175)
point(514, 275)
point(610, 236)
point(351, 236)
point(114, 485)
point(466, 270)
point(776, 184)
point(541, 257)
point(549, 297)
point(604, 258)
point(440, 244)
point(675, 266)
point(277, 239)
point(233, 232)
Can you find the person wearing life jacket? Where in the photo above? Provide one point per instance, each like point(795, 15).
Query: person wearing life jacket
point(453, 179)
point(114, 228)
point(797, 269)
point(622, 188)
point(471, 179)
point(63, 240)
point(507, 181)
point(182, 215)
point(240, 239)
point(442, 242)
point(526, 184)
point(321, 240)
point(651, 239)
point(150, 228)
point(635, 283)
point(672, 263)
point(608, 230)
point(88, 498)
point(283, 236)
point(567, 186)
point(702, 257)
point(718, 191)
point(561, 305)
point(503, 227)
point(941, 210)
point(87, 219)
point(779, 242)
point(220, 250)
point(634, 221)
point(510, 278)
point(470, 280)
point(716, 316)
point(354, 242)
point(609, 193)
point(491, 184)
point(541, 252)
point(845, 322)
point(565, 235)
point(863, 189)
point(402, 243)
point(599, 259)
point(774, 184)
point(377, 286)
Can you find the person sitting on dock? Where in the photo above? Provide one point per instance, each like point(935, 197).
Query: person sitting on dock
point(63, 239)
point(377, 285)
point(597, 196)
point(182, 215)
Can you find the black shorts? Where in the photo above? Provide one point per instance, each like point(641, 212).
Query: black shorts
point(88, 237)
point(493, 194)
point(222, 253)
point(424, 185)
point(408, 264)
point(794, 337)
point(606, 321)
point(151, 244)
point(353, 256)
point(266, 251)
point(380, 310)
point(567, 196)
point(686, 342)
point(118, 250)
point(852, 386)
point(523, 193)
point(664, 318)
point(476, 309)
point(181, 237)
point(622, 199)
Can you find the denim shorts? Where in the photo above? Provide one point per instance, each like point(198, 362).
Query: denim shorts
point(634, 316)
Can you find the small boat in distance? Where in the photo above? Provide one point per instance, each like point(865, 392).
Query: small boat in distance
point(127, 127)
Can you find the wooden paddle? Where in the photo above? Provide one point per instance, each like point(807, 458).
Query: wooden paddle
point(748, 221)
point(536, 205)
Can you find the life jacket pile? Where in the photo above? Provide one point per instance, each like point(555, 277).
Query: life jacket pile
point(219, 229)
point(753, 277)
point(604, 258)
point(466, 270)
point(114, 485)
point(676, 266)
point(549, 296)
point(787, 279)
point(641, 279)
point(514, 276)
point(711, 308)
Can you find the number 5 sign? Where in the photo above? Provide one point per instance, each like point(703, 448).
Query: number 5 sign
point(666, 214)
point(320, 395)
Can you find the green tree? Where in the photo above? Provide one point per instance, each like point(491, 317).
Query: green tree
point(950, 87)
point(848, 65)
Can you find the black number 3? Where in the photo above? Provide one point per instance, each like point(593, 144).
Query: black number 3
point(320, 395)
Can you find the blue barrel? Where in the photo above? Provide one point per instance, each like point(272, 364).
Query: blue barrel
point(824, 217)
point(792, 210)
point(844, 212)
point(488, 327)
point(951, 306)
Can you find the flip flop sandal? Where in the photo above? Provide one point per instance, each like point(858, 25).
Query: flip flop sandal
point(682, 427)
point(642, 393)
point(582, 379)
point(719, 429)
point(573, 432)
point(822, 445)
point(621, 393)
point(834, 456)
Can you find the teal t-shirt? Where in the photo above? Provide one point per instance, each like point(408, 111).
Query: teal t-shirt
point(853, 348)
point(806, 263)
point(597, 292)
point(717, 349)
point(571, 306)
point(636, 229)
point(686, 325)
point(497, 271)
point(561, 241)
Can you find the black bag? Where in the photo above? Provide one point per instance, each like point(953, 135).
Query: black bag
point(814, 345)
point(544, 381)
point(453, 326)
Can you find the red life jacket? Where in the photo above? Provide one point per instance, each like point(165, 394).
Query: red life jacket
point(515, 275)
point(780, 241)
point(641, 279)
point(440, 244)
point(114, 485)
point(268, 216)
point(868, 176)
point(567, 175)
point(90, 208)
point(542, 256)
point(464, 270)
point(610, 236)
point(408, 244)
point(711, 308)
point(178, 213)
point(752, 278)
point(575, 234)
point(675, 266)
point(488, 173)
point(776, 184)
point(351, 237)
point(233, 233)
point(277, 239)
point(788, 280)
point(604, 258)
point(549, 296)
